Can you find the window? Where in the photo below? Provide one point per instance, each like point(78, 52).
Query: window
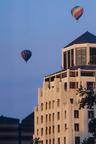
point(68, 59)
point(72, 57)
point(41, 119)
point(49, 130)
point(81, 56)
point(58, 140)
point(73, 85)
point(76, 127)
point(58, 115)
point(65, 86)
point(65, 114)
point(49, 104)
point(71, 100)
point(65, 127)
point(65, 58)
point(46, 141)
point(64, 140)
point(46, 130)
point(41, 106)
point(58, 128)
point(92, 56)
point(49, 117)
point(53, 116)
point(53, 102)
point(53, 141)
point(58, 102)
point(76, 113)
point(53, 129)
point(77, 140)
point(46, 117)
point(90, 114)
point(49, 141)
point(90, 85)
point(41, 131)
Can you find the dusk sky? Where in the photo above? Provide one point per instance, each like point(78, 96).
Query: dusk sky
point(44, 27)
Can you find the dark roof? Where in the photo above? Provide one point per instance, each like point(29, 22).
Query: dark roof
point(87, 37)
point(8, 120)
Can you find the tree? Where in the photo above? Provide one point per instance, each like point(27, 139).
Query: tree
point(36, 141)
point(88, 100)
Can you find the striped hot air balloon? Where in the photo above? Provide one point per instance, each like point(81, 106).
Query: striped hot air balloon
point(26, 54)
point(77, 12)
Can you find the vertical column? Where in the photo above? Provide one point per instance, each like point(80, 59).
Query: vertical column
point(74, 56)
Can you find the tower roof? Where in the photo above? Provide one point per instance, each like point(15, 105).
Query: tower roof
point(87, 37)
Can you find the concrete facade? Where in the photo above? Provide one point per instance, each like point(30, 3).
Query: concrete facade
point(58, 119)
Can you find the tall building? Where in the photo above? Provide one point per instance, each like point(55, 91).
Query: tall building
point(27, 129)
point(9, 130)
point(14, 132)
point(58, 119)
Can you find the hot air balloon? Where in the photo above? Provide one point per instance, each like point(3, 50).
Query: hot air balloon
point(26, 54)
point(77, 12)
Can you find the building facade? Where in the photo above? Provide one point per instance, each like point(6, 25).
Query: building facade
point(9, 130)
point(27, 129)
point(58, 119)
point(12, 131)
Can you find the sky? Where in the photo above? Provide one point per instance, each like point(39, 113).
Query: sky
point(44, 27)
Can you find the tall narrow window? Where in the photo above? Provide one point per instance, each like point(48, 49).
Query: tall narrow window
point(58, 102)
point(68, 59)
point(65, 62)
point(76, 127)
point(92, 56)
point(58, 128)
point(58, 140)
point(64, 140)
point(72, 57)
point(58, 115)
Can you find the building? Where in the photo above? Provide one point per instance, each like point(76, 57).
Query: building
point(27, 129)
point(9, 130)
point(14, 132)
point(58, 119)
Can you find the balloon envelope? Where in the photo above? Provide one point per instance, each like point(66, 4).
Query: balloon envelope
point(77, 12)
point(26, 54)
